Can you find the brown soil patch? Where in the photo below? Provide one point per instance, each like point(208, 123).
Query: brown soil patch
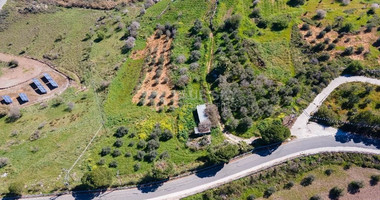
point(364, 39)
point(153, 81)
point(19, 80)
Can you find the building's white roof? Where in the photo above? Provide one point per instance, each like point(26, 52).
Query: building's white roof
point(201, 113)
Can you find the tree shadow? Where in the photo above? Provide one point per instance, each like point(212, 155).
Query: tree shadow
point(9, 196)
point(81, 192)
point(209, 171)
point(150, 184)
point(344, 137)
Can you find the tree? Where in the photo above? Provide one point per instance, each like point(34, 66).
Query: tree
point(181, 59)
point(280, 22)
point(166, 135)
point(118, 143)
point(204, 126)
point(212, 113)
point(121, 132)
point(14, 113)
point(140, 155)
point(129, 43)
point(295, 3)
point(195, 55)
point(355, 186)
point(148, 4)
point(16, 188)
point(321, 14)
point(244, 124)
point(222, 153)
point(197, 26)
point(335, 192)
point(354, 68)
point(152, 145)
point(141, 144)
point(328, 117)
point(97, 178)
point(232, 23)
point(375, 179)
point(162, 170)
point(308, 180)
point(316, 197)
point(269, 191)
point(274, 133)
point(105, 151)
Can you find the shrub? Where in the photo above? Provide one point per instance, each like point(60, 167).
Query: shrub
point(335, 192)
point(269, 192)
point(162, 170)
point(148, 4)
point(3, 162)
point(232, 23)
point(182, 81)
point(346, 2)
point(222, 153)
point(137, 166)
point(354, 68)
point(331, 46)
point(98, 178)
point(295, 3)
point(101, 162)
point(164, 155)
point(181, 59)
point(14, 113)
point(256, 12)
point(70, 106)
point(151, 156)
point(321, 14)
point(35, 135)
point(128, 154)
point(16, 188)
point(121, 132)
point(324, 57)
point(251, 197)
point(118, 143)
point(321, 34)
point(129, 43)
point(355, 186)
point(374, 179)
point(195, 55)
point(348, 51)
point(141, 144)
point(13, 64)
point(359, 50)
point(166, 135)
point(194, 66)
point(274, 133)
point(308, 180)
point(105, 151)
point(316, 197)
point(113, 164)
point(346, 28)
point(280, 22)
point(116, 153)
point(289, 185)
point(152, 145)
point(328, 172)
point(328, 28)
point(305, 27)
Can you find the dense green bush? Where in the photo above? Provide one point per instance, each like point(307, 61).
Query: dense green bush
point(274, 133)
point(335, 192)
point(97, 178)
point(16, 188)
point(222, 153)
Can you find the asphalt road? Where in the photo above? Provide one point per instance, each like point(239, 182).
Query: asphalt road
point(239, 168)
point(2, 2)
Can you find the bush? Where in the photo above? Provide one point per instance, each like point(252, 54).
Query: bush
point(35, 135)
point(121, 132)
point(140, 155)
point(232, 23)
point(162, 170)
point(222, 153)
point(251, 197)
point(70, 106)
point(346, 2)
point(348, 51)
point(321, 34)
point(166, 135)
point(105, 151)
point(151, 156)
point(3, 162)
point(136, 167)
point(308, 180)
point(14, 114)
point(279, 23)
point(255, 13)
point(305, 27)
point(321, 14)
point(269, 192)
point(113, 164)
point(355, 186)
point(335, 192)
point(16, 188)
point(118, 143)
point(164, 155)
point(374, 179)
point(152, 145)
point(316, 197)
point(295, 3)
point(98, 178)
point(129, 43)
point(195, 55)
point(346, 28)
point(141, 144)
point(194, 66)
point(274, 133)
point(13, 64)
point(289, 185)
point(181, 59)
point(354, 68)
point(116, 153)
point(328, 172)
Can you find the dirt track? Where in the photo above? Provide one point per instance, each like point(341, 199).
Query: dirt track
point(19, 80)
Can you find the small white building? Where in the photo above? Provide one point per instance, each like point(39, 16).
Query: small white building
point(202, 119)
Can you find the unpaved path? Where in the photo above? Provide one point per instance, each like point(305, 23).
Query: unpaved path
point(303, 129)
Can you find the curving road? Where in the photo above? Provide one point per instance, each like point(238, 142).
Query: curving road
point(308, 142)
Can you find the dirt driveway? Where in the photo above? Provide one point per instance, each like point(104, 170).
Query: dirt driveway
point(19, 80)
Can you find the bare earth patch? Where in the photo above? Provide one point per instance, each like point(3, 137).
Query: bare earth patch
point(19, 80)
point(156, 75)
point(363, 39)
